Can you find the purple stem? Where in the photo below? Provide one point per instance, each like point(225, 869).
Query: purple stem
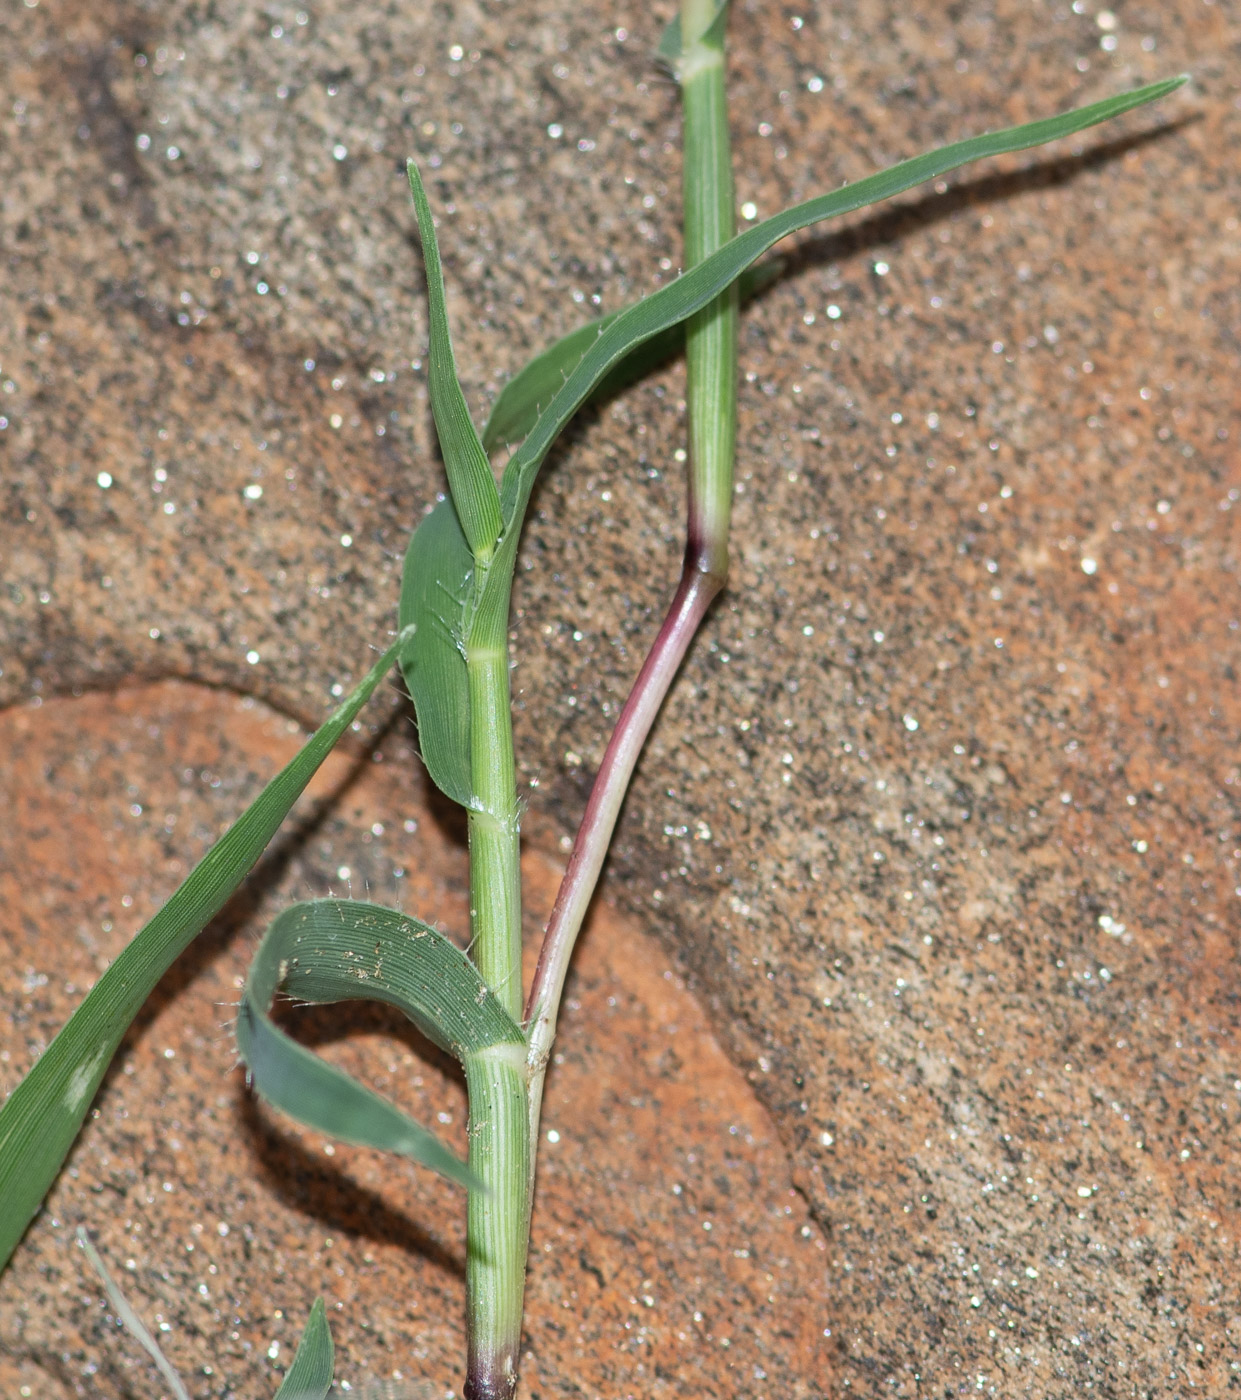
point(702, 578)
point(711, 374)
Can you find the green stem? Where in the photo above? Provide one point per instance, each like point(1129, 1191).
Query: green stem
point(497, 1216)
point(497, 1220)
point(711, 335)
point(494, 828)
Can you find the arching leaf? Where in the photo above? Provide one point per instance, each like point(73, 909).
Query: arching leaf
point(701, 284)
point(343, 950)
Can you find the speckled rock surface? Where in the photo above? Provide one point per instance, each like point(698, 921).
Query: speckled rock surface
point(942, 819)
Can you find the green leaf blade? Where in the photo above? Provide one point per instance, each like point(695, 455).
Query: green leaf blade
point(696, 288)
point(533, 387)
point(343, 950)
point(310, 1376)
point(436, 588)
point(318, 1095)
point(469, 473)
point(328, 950)
point(43, 1115)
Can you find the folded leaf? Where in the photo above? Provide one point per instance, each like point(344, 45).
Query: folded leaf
point(342, 950)
point(469, 473)
point(42, 1116)
point(310, 1376)
point(436, 587)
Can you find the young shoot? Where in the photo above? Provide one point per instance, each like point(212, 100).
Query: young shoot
point(452, 646)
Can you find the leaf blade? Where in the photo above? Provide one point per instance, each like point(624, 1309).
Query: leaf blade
point(436, 586)
point(134, 1324)
point(310, 1375)
point(696, 288)
point(320, 1096)
point(42, 1116)
point(469, 473)
point(332, 950)
point(328, 944)
point(533, 387)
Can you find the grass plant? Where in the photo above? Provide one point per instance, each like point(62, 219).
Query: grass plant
point(453, 651)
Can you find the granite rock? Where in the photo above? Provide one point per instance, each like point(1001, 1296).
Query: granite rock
point(942, 818)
